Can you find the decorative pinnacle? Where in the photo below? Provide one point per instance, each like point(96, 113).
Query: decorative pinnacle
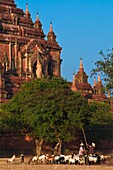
point(81, 65)
point(27, 6)
point(27, 11)
point(95, 81)
point(51, 28)
point(99, 80)
point(37, 18)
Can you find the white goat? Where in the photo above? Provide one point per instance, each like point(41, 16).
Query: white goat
point(33, 159)
point(42, 159)
point(102, 158)
point(11, 160)
point(67, 157)
point(77, 160)
point(71, 161)
point(37, 159)
point(94, 159)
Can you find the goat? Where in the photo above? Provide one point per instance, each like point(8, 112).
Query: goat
point(67, 157)
point(50, 159)
point(33, 159)
point(102, 159)
point(71, 161)
point(42, 159)
point(77, 159)
point(11, 160)
point(59, 159)
point(38, 159)
point(93, 159)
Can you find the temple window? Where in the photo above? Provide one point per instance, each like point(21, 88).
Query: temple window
point(4, 66)
point(9, 11)
point(13, 64)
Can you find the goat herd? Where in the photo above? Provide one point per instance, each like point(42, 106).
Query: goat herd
point(62, 159)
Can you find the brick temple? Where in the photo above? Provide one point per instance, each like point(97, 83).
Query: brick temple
point(80, 84)
point(24, 52)
point(27, 53)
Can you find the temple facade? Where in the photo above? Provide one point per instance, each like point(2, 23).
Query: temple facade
point(25, 51)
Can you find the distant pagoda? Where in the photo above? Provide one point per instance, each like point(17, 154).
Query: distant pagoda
point(80, 84)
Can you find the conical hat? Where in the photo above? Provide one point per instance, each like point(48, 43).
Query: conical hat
point(93, 144)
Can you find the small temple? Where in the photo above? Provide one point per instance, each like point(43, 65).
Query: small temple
point(80, 84)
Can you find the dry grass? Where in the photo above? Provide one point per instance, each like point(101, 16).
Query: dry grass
point(53, 167)
point(17, 166)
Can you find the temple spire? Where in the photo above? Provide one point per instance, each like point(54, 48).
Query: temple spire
point(27, 8)
point(37, 17)
point(81, 65)
point(51, 27)
point(99, 80)
point(51, 35)
point(95, 81)
point(38, 26)
point(27, 13)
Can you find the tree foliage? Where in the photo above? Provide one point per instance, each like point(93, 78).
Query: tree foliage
point(105, 67)
point(100, 113)
point(48, 109)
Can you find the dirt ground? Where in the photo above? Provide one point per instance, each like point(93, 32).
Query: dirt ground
point(25, 166)
point(53, 167)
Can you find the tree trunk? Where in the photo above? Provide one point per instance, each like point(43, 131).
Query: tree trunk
point(58, 147)
point(39, 146)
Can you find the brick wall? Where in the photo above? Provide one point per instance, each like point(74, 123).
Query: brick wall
point(102, 136)
point(3, 49)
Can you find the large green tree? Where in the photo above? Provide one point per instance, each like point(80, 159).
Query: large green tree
point(101, 117)
point(105, 67)
point(48, 110)
point(100, 113)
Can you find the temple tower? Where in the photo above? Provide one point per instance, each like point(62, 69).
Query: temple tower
point(55, 51)
point(80, 82)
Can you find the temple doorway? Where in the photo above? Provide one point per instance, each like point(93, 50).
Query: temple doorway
point(34, 69)
point(37, 69)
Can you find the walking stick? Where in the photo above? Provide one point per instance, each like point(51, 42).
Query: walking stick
point(84, 136)
point(86, 160)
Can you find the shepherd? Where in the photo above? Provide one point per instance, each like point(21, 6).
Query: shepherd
point(22, 158)
point(82, 150)
point(91, 148)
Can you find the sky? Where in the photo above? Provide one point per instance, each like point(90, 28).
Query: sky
point(82, 27)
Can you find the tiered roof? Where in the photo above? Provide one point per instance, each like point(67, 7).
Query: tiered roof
point(8, 3)
point(80, 81)
point(80, 84)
